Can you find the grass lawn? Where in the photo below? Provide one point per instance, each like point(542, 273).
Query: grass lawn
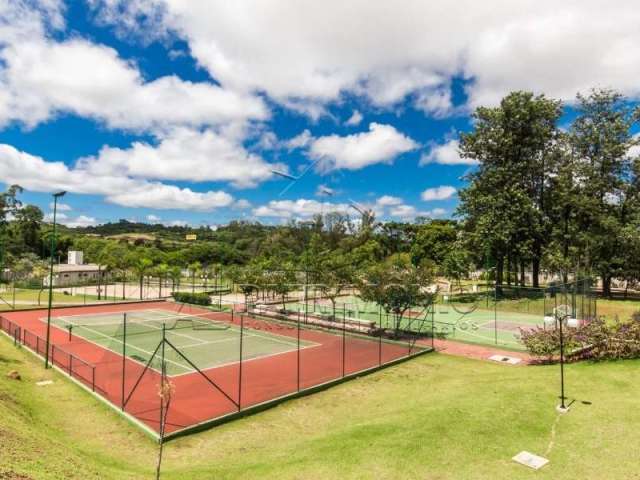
point(436, 417)
point(28, 298)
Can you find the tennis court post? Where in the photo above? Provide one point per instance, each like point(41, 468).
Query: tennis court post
point(51, 256)
point(298, 351)
point(124, 353)
point(240, 367)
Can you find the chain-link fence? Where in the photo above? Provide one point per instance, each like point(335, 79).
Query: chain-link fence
point(218, 364)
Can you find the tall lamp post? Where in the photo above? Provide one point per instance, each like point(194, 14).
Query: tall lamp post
point(562, 317)
point(56, 196)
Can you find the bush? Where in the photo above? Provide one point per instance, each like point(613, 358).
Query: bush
point(194, 298)
point(596, 340)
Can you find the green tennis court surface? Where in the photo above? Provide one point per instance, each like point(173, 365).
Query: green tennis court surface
point(208, 340)
point(480, 323)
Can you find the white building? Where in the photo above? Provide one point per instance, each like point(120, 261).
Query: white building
point(75, 272)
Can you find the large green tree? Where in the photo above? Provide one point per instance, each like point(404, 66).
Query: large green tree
point(504, 207)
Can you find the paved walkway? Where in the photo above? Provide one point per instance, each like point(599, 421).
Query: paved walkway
point(478, 352)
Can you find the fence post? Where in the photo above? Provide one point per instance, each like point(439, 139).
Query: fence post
point(298, 353)
point(495, 315)
point(240, 367)
point(380, 333)
point(124, 353)
point(344, 339)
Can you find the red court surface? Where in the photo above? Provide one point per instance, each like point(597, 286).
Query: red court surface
point(227, 389)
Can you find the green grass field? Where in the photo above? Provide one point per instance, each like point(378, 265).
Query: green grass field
point(435, 417)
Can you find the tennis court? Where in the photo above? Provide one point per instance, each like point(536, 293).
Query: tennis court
point(220, 365)
point(207, 339)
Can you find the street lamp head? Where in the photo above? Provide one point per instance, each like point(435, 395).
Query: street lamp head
point(59, 194)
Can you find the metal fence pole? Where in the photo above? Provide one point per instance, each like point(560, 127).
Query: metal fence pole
point(124, 352)
point(162, 379)
point(240, 368)
point(344, 339)
point(298, 352)
point(495, 315)
point(380, 336)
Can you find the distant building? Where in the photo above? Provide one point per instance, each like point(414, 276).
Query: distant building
point(75, 272)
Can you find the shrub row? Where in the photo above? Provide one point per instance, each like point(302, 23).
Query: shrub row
point(195, 298)
point(596, 340)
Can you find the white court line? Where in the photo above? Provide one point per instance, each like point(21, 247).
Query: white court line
point(244, 360)
point(270, 336)
point(138, 323)
point(128, 345)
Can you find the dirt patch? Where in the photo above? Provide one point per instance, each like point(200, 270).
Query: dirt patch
point(8, 475)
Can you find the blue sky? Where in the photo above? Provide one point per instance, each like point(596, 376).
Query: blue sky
point(164, 111)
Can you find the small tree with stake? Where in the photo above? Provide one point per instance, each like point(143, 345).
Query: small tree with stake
point(165, 392)
point(397, 285)
point(334, 275)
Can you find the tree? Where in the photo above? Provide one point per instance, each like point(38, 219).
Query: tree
point(141, 266)
point(334, 274)
point(26, 225)
point(504, 205)
point(246, 278)
point(397, 285)
point(9, 203)
point(161, 271)
point(601, 141)
point(281, 282)
point(456, 264)
point(433, 241)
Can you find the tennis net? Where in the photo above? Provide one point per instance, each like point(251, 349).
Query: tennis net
point(114, 325)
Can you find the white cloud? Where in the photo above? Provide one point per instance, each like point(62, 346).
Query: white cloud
point(403, 211)
point(242, 204)
point(364, 47)
point(446, 154)
point(381, 144)
point(297, 208)
point(80, 221)
point(302, 140)
point(62, 207)
point(354, 119)
point(436, 212)
point(388, 201)
point(438, 193)
point(153, 219)
point(176, 223)
point(36, 174)
point(184, 154)
point(409, 213)
point(40, 77)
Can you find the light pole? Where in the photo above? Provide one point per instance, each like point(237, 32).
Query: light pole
point(56, 196)
point(562, 317)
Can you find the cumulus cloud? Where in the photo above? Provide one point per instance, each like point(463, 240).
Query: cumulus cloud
point(446, 154)
point(301, 208)
point(40, 77)
point(153, 219)
point(386, 54)
point(381, 144)
point(184, 154)
point(62, 207)
point(354, 119)
point(302, 140)
point(34, 173)
point(388, 201)
point(438, 193)
point(73, 222)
